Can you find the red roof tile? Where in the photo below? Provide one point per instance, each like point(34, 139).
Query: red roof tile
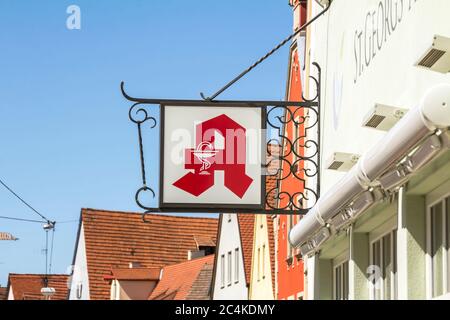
point(205, 241)
point(134, 274)
point(201, 288)
point(114, 239)
point(28, 286)
point(246, 230)
point(3, 293)
point(178, 280)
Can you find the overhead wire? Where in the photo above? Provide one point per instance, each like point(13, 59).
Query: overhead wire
point(23, 201)
point(20, 219)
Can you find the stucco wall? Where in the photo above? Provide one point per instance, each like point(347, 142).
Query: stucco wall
point(229, 241)
point(80, 272)
point(366, 61)
point(261, 288)
point(351, 87)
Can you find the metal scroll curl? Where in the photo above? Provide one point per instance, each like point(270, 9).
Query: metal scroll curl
point(293, 151)
point(140, 113)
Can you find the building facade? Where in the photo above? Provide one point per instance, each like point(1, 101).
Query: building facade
point(262, 278)
point(381, 227)
point(231, 276)
point(111, 241)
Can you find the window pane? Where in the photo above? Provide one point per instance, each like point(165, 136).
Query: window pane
point(222, 270)
point(338, 283)
point(387, 268)
point(345, 281)
point(447, 241)
point(236, 262)
point(229, 268)
point(263, 262)
point(437, 249)
point(290, 225)
point(377, 263)
point(394, 266)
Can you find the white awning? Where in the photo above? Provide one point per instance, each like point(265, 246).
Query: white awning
point(408, 146)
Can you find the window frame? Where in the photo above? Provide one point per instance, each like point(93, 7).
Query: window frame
point(222, 271)
point(236, 265)
point(340, 265)
point(392, 231)
point(230, 268)
point(442, 199)
point(263, 261)
point(79, 290)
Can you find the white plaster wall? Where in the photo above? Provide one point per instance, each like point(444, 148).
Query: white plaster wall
point(229, 241)
point(10, 294)
point(262, 288)
point(80, 272)
point(391, 77)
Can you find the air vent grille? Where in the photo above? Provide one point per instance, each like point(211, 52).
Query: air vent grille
point(375, 121)
point(431, 58)
point(336, 165)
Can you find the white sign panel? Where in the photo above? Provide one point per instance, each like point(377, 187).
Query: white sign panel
point(211, 157)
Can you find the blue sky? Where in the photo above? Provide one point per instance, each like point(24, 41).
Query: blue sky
point(65, 138)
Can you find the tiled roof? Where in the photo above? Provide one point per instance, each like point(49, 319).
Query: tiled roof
point(114, 239)
point(3, 293)
point(205, 241)
point(134, 274)
point(28, 286)
point(178, 280)
point(201, 288)
point(246, 230)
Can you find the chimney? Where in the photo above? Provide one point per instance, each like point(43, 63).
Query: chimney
point(134, 264)
point(194, 254)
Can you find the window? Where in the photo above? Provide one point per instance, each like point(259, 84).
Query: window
point(222, 271)
point(296, 141)
point(438, 247)
point(236, 265)
point(208, 250)
point(263, 261)
point(288, 229)
point(229, 269)
point(384, 263)
point(340, 281)
point(79, 290)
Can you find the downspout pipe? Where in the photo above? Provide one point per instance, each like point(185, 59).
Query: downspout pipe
point(433, 113)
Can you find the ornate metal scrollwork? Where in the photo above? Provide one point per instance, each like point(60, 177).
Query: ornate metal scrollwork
point(293, 161)
point(297, 158)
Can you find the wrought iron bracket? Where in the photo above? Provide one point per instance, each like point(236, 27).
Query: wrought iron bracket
point(297, 162)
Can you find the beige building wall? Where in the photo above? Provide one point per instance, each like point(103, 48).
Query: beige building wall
point(261, 286)
point(131, 290)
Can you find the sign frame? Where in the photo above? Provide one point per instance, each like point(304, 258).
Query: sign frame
point(200, 207)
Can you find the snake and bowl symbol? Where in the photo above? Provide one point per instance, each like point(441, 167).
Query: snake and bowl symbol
point(205, 150)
